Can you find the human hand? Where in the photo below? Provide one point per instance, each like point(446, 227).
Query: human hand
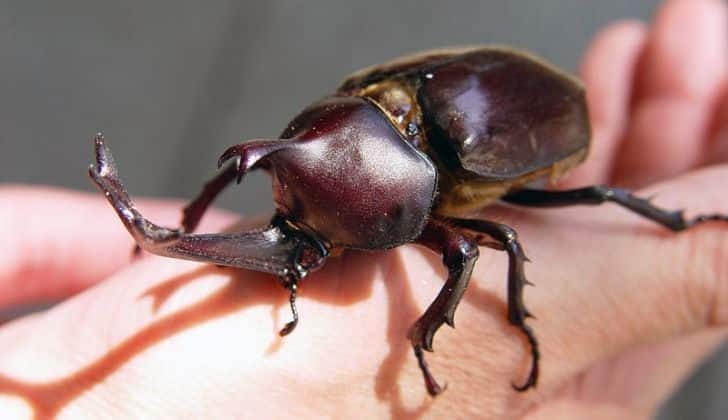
point(619, 323)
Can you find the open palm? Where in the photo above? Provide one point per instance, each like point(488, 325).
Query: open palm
point(624, 309)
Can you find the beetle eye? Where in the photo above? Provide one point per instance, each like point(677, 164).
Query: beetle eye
point(412, 129)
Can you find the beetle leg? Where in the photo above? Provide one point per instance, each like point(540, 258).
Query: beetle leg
point(599, 194)
point(246, 155)
point(280, 249)
point(517, 312)
point(459, 254)
point(192, 213)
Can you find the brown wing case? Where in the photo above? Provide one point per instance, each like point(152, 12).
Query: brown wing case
point(504, 114)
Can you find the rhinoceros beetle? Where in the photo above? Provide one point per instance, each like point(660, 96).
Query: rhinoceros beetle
point(401, 153)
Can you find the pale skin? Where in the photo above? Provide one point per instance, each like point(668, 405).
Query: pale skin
point(625, 309)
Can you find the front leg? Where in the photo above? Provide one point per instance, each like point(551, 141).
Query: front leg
point(459, 254)
point(195, 209)
point(279, 249)
point(246, 156)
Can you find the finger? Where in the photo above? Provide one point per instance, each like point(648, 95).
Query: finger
point(718, 148)
point(639, 284)
point(574, 409)
point(686, 51)
point(643, 378)
point(678, 79)
point(222, 325)
point(608, 72)
point(58, 242)
point(633, 385)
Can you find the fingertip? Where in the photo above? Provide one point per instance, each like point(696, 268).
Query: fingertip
point(666, 128)
point(608, 69)
point(608, 72)
point(718, 132)
point(678, 80)
point(687, 50)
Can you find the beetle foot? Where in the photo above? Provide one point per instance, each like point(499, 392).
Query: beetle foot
point(706, 218)
point(433, 388)
point(532, 379)
point(291, 325)
point(420, 335)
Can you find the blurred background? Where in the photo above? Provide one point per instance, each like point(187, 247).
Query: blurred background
point(172, 84)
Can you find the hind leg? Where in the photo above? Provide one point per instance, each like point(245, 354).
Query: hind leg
point(599, 194)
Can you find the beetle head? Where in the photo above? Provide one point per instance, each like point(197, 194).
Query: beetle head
point(343, 170)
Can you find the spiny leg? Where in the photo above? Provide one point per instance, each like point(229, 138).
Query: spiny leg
point(280, 249)
point(517, 313)
point(599, 194)
point(192, 213)
point(246, 156)
point(459, 254)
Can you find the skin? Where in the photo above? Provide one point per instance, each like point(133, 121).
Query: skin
point(620, 323)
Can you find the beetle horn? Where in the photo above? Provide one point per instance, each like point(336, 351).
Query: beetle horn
point(250, 153)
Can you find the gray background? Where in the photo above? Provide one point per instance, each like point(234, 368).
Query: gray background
point(172, 84)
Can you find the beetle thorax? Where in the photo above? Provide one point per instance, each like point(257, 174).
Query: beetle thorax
point(351, 177)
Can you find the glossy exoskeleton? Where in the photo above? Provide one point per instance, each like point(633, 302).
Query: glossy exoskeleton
point(399, 154)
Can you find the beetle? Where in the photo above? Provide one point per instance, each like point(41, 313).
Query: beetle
point(401, 153)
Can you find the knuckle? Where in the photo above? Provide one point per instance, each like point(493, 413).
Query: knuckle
point(705, 274)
